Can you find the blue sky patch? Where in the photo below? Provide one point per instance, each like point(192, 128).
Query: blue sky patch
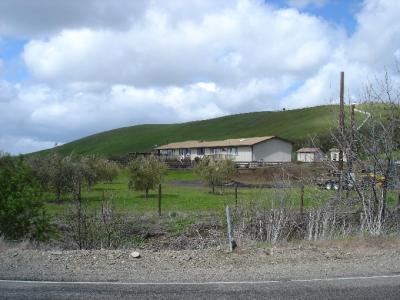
point(293, 88)
point(10, 48)
point(339, 12)
point(10, 53)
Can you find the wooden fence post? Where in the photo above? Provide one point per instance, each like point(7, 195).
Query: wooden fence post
point(228, 221)
point(302, 199)
point(236, 195)
point(159, 200)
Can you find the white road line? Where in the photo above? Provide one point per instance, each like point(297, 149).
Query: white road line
point(346, 278)
point(200, 283)
point(140, 283)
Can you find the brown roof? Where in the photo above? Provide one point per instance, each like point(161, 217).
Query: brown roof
point(309, 150)
point(209, 144)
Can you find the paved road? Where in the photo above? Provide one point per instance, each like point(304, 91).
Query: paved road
point(379, 287)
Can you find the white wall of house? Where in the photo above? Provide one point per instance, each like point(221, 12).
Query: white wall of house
point(226, 152)
point(274, 150)
point(310, 156)
point(335, 155)
point(244, 154)
point(306, 156)
point(320, 156)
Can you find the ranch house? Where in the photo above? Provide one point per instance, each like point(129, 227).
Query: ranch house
point(254, 149)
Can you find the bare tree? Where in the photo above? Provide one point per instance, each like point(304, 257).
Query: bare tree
point(370, 145)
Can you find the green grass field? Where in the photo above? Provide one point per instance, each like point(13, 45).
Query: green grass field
point(296, 125)
point(187, 199)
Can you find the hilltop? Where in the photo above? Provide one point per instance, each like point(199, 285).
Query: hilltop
point(296, 125)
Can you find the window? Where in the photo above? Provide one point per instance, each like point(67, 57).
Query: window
point(233, 151)
point(184, 152)
point(200, 151)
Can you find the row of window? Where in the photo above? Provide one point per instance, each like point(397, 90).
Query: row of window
point(202, 151)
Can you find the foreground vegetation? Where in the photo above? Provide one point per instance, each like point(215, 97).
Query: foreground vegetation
point(22, 211)
point(108, 214)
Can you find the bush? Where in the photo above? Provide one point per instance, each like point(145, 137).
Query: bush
point(214, 172)
point(22, 214)
point(52, 172)
point(146, 173)
point(68, 174)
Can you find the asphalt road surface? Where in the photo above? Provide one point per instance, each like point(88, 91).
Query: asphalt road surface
point(372, 287)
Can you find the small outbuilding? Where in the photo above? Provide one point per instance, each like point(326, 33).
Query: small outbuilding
point(310, 155)
point(334, 154)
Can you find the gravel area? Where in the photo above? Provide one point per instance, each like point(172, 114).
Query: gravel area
point(300, 261)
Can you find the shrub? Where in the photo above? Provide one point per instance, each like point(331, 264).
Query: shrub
point(214, 172)
point(68, 174)
point(22, 214)
point(145, 173)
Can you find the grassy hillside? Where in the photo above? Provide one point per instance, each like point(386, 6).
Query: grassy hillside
point(295, 125)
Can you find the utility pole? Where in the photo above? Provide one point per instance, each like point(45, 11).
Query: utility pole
point(341, 122)
point(350, 152)
point(341, 133)
point(352, 137)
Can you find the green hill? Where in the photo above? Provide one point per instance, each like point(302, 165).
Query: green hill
point(296, 125)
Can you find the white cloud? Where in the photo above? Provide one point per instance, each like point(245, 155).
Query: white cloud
point(364, 56)
point(397, 55)
point(60, 115)
point(20, 145)
point(207, 86)
point(22, 18)
point(378, 34)
point(173, 61)
point(45, 113)
point(224, 47)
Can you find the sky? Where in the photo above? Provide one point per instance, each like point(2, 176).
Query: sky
point(73, 68)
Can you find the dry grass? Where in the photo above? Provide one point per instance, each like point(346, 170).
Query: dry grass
point(291, 171)
point(18, 245)
point(357, 243)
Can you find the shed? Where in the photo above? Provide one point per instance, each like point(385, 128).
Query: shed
point(334, 154)
point(310, 155)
